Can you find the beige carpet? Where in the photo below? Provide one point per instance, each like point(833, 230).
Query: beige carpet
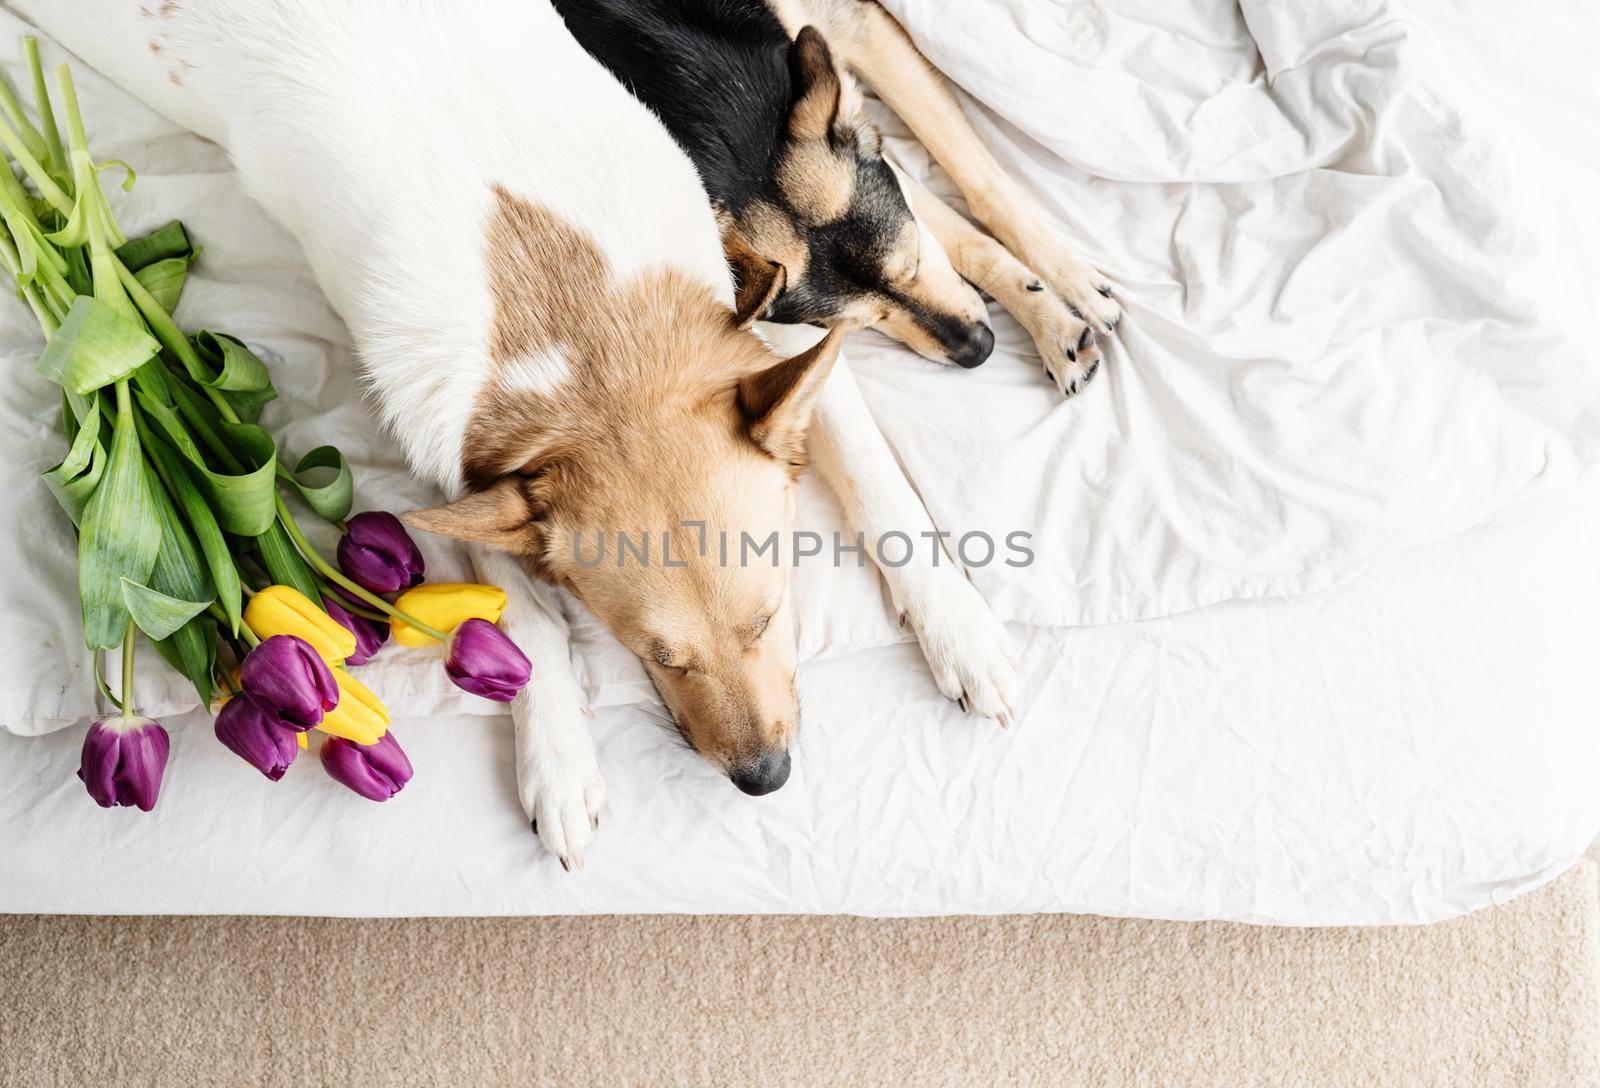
point(1502, 998)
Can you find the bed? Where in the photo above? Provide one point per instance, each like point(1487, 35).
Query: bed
point(1310, 634)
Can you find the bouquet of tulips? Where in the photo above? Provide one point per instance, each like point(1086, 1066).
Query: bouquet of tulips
point(180, 500)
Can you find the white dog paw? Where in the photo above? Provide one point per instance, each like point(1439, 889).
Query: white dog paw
point(562, 793)
point(1089, 295)
point(1066, 342)
point(966, 647)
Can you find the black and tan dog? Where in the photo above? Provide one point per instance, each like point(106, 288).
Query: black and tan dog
point(819, 227)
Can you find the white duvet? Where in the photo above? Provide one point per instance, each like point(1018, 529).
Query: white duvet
point(1360, 340)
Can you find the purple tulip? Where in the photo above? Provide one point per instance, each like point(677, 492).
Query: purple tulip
point(484, 661)
point(123, 759)
point(375, 771)
point(253, 730)
point(287, 674)
point(377, 553)
point(370, 634)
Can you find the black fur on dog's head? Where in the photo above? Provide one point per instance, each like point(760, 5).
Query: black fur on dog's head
point(828, 238)
point(814, 220)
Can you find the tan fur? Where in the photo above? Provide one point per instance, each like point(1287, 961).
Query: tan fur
point(1062, 301)
point(828, 137)
point(817, 109)
point(818, 180)
point(668, 412)
point(761, 237)
point(872, 44)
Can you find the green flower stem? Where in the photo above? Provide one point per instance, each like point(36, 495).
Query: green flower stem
point(12, 260)
point(171, 337)
point(348, 604)
point(100, 680)
point(97, 221)
point(244, 628)
point(41, 310)
point(41, 99)
point(53, 193)
point(13, 110)
point(127, 667)
point(332, 574)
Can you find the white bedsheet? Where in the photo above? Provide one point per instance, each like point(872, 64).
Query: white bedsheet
point(1350, 336)
point(1405, 748)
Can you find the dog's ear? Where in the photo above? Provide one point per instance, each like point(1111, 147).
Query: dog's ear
point(758, 282)
point(502, 515)
point(817, 89)
point(777, 402)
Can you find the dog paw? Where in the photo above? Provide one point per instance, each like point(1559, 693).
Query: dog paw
point(562, 792)
point(1090, 296)
point(966, 646)
point(1067, 343)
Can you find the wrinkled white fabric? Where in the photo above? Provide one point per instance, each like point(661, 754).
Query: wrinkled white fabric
point(1362, 319)
point(1346, 333)
point(1408, 747)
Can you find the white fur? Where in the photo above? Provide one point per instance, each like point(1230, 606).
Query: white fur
point(543, 372)
point(374, 130)
point(963, 641)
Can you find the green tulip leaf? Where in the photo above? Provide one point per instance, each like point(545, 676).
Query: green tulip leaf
point(169, 241)
point(284, 564)
point(155, 613)
point(78, 277)
point(88, 202)
point(119, 537)
point(73, 481)
point(94, 347)
point(235, 367)
point(129, 175)
point(169, 607)
point(192, 651)
point(181, 489)
point(331, 498)
point(164, 280)
point(248, 405)
point(244, 501)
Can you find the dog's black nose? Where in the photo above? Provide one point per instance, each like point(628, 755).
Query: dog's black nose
point(763, 775)
point(976, 345)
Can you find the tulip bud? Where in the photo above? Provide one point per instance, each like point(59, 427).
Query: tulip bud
point(370, 634)
point(360, 716)
point(252, 730)
point(284, 610)
point(287, 673)
point(445, 605)
point(376, 771)
point(123, 759)
point(378, 554)
point(484, 661)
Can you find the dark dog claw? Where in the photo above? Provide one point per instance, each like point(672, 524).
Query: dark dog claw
point(534, 823)
point(1088, 335)
point(1035, 286)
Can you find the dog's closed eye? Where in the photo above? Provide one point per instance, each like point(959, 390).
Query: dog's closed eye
point(759, 628)
point(663, 656)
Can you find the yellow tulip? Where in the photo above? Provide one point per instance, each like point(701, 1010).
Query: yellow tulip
point(300, 739)
point(445, 605)
point(360, 716)
point(284, 610)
